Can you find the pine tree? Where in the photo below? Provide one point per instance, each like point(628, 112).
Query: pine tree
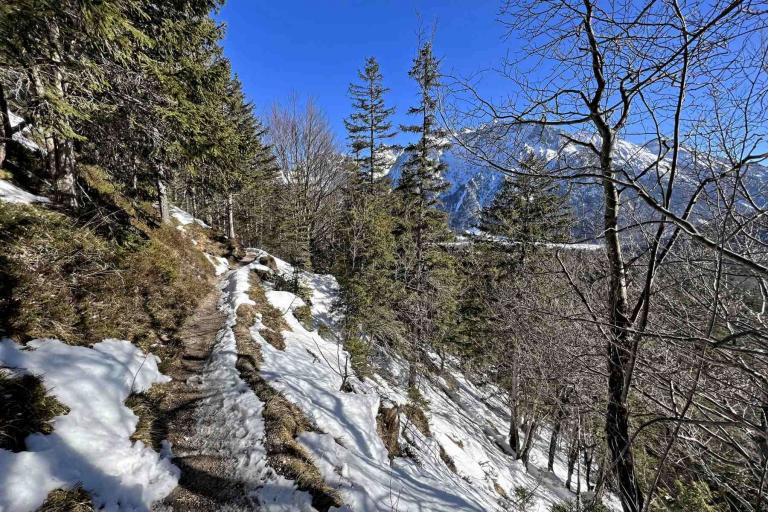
point(425, 267)
point(369, 126)
point(528, 212)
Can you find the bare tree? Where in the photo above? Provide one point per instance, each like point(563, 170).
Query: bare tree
point(312, 170)
point(687, 203)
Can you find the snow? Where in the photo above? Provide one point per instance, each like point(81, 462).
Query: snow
point(90, 445)
point(184, 218)
point(220, 264)
point(230, 423)
point(10, 193)
point(466, 421)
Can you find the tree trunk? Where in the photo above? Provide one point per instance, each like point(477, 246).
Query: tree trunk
point(230, 217)
point(162, 198)
point(553, 446)
point(573, 456)
point(620, 348)
point(514, 413)
point(528, 444)
point(588, 465)
point(563, 396)
point(601, 477)
point(6, 131)
point(65, 182)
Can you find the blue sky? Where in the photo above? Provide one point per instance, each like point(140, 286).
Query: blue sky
point(314, 48)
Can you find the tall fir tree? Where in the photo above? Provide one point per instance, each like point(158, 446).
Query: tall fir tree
point(426, 268)
point(368, 127)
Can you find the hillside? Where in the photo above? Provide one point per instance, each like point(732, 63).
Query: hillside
point(370, 447)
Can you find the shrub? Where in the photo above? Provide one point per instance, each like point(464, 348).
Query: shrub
point(359, 356)
point(524, 498)
point(570, 506)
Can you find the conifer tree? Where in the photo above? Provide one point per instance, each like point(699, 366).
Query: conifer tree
point(63, 49)
point(368, 260)
point(425, 268)
point(369, 126)
point(529, 211)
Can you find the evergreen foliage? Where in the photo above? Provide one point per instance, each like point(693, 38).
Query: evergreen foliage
point(369, 126)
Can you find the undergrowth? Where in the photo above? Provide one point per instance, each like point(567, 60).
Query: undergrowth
point(66, 278)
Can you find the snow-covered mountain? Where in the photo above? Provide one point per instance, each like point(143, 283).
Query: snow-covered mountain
point(473, 184)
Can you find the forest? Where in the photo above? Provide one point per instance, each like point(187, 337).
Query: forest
point(603, 296)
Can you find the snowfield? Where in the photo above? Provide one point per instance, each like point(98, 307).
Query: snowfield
point(467, 422)
point(90, 445)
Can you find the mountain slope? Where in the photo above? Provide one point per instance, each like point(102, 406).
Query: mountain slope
point(474, 184)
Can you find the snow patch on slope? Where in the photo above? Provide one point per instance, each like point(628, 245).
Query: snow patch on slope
point(220, 264)
point(184, 217)
point(10, 193)
point(90, 445)
point(466, 421)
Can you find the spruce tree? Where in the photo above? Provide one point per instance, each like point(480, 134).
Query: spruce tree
point(528, 212)
point(369, 126)
point(425, 267)
point(368, 261)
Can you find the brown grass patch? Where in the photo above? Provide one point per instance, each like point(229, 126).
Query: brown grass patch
point(271, 317)
point(284, 421)
point(388, 428)
point(268, 261)
point(67, 500)
point(27, 409)
point(447, 459)
point(304, 315)
point(500, 490)
point(418, 418)
point(147, 407)
point(64, 278)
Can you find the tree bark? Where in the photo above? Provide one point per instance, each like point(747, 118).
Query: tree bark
point(528, 443)
point(514, 413)
point(162, 198)
point(230, 217)
point(573, 456)
point(6, 131)
point(563, 396)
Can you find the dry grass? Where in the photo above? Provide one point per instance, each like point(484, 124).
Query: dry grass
point(418, 418)
point(66, 279)
point(500, 490)
point(447, 459)
point(271, 317)
point(147, 407)
point(27, 409)
point(388, 428)
point(268, 261)
point(304, 315)
point(67, 500)
point(283, 420)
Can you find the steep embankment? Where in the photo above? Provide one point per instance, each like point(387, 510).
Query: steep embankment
point(263, 409)
point(450, 456)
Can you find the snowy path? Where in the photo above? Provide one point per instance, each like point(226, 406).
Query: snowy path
point(215, 421)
